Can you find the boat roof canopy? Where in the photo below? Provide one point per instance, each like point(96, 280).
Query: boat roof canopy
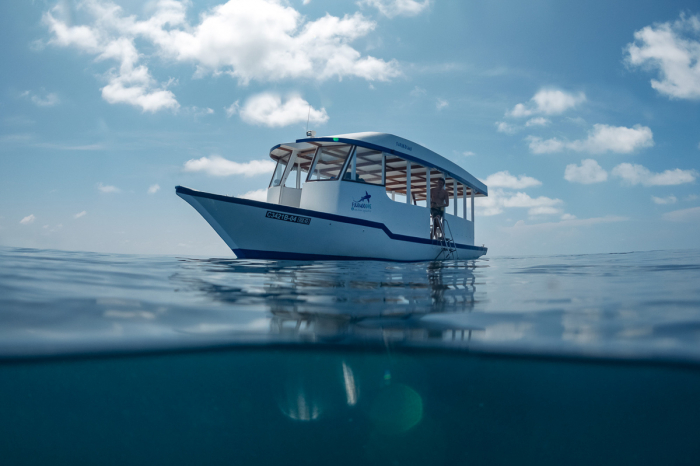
point(394, 145)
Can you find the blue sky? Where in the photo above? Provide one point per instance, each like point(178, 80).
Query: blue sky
point(582, 117)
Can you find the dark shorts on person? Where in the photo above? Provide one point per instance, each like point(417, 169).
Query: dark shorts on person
point(437, 212)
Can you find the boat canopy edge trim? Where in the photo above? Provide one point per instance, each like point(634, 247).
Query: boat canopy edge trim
point(474, 184)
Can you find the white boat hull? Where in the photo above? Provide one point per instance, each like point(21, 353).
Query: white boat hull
point(261, 230)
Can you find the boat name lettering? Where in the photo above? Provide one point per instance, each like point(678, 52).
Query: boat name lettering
point(362, 204)
point(404, 146)
point(288, 217)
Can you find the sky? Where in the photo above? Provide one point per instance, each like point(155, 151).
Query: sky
point(583, 118)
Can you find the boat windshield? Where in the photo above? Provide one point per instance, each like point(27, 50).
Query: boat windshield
point(365, 167)
point(329, 162)
point(279, 171)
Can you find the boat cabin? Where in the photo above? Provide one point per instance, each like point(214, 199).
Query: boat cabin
point(374, 176)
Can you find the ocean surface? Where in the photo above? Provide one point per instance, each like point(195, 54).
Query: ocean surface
point(125, 359)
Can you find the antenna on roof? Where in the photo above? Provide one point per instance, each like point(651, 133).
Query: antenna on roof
point(309, 134)
point(307, 120)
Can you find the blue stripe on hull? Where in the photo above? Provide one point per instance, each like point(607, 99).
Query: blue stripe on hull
point(295, 256)
point(323, 215)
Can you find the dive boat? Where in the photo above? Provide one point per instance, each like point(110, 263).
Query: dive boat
point(359, 196)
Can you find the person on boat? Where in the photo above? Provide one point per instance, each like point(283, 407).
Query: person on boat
point(438, 201)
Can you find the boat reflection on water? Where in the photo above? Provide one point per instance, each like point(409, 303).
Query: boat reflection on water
point(319, 327)
point(348, 306)
point(350, 302)
point(400, 319)
point(353, 306)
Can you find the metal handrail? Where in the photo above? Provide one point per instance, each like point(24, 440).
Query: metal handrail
point(448, 244)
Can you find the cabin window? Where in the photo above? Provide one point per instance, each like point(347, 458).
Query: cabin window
point(397, 172)
point(279, 171)
point(365, 166)
point(304, 160)
point(409, 178)
point(293, 179)
point(329, 162)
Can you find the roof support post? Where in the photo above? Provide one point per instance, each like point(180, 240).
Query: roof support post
point(472, 206)
point(384, 168)
point(290, 164)
point(299, 174)
point(427, 187)
point(464, 202)
point(455, 195)
point(354, 165)
point(408, 182)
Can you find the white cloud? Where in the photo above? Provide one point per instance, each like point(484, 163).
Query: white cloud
point(441, 103)
point(199, 112)
point(418, 92)
point(683, 215)
point(664, 200)
point(555, 102)
point(544, 210)
point(264, 40)
point(541, 146)
point(588, 172)
point(28, 219)
point(504, 179)
point(499, 200)
point(633, 174)
point(232, 109)
point(257, 195)
point(520, 111)
point(468, 153)
point(219, 166)
point(153, 189)
point(537, 206)
point(488, 206)
point(503, 127)
point(568, 217)
point(267, 109)
point(80, 214)
point(539, 121)
point(602, 138)
point(48, 100)
point(691, 197)
point(392, 8)
point(673, 49)
point(107, 189)
point(109, 38)
point(135, 86)
point(605, 138)
point(548, 102)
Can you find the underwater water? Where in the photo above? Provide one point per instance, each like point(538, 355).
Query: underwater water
point(120, 359)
